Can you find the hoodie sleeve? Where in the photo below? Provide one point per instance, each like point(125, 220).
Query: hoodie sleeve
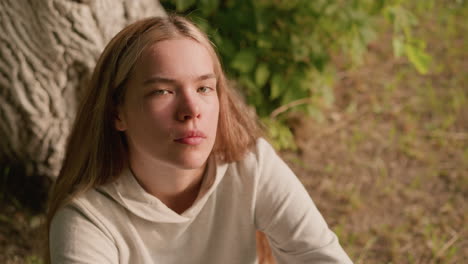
point(285, 212)
point(75, 239)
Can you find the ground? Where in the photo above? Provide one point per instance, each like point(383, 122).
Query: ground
point(387, 166)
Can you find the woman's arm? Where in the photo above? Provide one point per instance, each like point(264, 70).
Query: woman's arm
point(287, 215)
point(75, 239)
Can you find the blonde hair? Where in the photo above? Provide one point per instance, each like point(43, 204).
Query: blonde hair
point(97, 153)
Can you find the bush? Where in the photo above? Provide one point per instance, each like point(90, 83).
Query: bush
point(279, 51)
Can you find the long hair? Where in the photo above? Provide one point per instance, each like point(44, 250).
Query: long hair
point(97, 153)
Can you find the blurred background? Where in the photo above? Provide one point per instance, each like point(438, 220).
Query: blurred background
point(366, 100)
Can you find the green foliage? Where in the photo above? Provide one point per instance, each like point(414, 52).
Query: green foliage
point(280, 50)
point(281, 135)
point(404, 42)
point(33, 260)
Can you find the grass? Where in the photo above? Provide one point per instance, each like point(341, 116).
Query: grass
point(392, 180)
point(21, 217)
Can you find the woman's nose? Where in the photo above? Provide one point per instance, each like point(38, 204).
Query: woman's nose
point(188, 107)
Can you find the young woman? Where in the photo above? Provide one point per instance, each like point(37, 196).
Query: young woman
point(166, 165)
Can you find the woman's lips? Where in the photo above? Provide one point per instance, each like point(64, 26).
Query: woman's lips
point(190, 140)
point(192, 137)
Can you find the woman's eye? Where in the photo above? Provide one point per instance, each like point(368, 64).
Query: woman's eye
point(204, 89)
point(160, 92)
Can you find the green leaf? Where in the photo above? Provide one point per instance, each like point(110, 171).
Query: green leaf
point(398, 46)
point(254, 95)
point(227, 48)
point(277, 86)
point(264, 42)
point(292, 94)
point(183, 5)
point(208, 6)
point(244, 61)
point(262, 74)
point(418, 57)
point(280, 134)
point(316, 113)
point(249, 84)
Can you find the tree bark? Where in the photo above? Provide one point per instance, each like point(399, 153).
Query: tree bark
point(47, 51)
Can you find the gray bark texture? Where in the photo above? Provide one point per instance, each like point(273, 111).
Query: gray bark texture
point(48, 49)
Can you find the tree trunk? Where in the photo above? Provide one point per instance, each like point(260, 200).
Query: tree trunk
point(47, 51)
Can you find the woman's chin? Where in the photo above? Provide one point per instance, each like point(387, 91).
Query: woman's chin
point(190, 163)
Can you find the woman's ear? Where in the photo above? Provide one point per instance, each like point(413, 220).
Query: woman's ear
point(120, 123)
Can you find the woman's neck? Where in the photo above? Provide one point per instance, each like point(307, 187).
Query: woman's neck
point(176, 188)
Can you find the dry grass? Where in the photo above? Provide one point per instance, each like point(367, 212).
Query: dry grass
point(389, 165)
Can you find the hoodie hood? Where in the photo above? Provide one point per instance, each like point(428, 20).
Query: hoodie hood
point(130, 194)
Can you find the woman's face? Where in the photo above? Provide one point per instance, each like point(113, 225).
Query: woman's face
point(171, 108)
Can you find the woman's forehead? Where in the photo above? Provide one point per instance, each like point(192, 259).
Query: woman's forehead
point(175, 59)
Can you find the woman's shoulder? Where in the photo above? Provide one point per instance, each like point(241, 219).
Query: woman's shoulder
point(262, 145)
point(85, 221)
point(260, 154)
point(96, 198)
point(251, 166)
point(94, 206)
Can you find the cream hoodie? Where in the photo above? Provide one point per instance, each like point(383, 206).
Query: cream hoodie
point(121, 223)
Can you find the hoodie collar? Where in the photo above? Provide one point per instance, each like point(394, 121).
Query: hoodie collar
point(128, 192)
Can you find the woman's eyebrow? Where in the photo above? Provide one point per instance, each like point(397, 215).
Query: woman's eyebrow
point(160, 79)
point(206, 76)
